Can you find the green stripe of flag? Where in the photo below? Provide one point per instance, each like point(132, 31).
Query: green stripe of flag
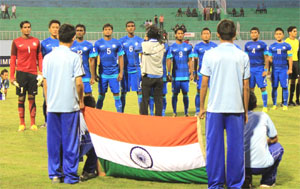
point(198, 175)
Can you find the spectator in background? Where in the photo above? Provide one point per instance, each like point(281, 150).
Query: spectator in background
point(150, 23)
point(264, 8)
point(6, 14)
point(188, 12)
point(4, 84)
point(207, 13)
point(211, 11)
point(146, 23)
point(204, 14)
point(2, 10)
point(242, 13)
point(161, 22)
point(263, 153)
point(179, 12)
point(218, 13)
point(258, 8)
point(233, 12)
point(13, 11)
point(155, 20)
point(194, 13)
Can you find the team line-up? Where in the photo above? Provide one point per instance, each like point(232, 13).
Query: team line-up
point(119, 65)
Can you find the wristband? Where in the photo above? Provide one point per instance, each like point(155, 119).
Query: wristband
point(265, 70)
point(169, 73)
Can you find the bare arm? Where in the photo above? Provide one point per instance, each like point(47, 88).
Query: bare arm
point(121, 67)
point(196, 67)
point(191, 68)
point(290, 60)
point(45, 89)
point(169, 64)
point(266, 66)
point(203, 92)
point(246, 93)
point(272, 140)
point(92, 70)
point(79, 89)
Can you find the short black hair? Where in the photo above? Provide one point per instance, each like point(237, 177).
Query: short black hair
point(66, 33)
point(154, 33)
point(255, 28)
point(108, 25)
point(129, 22)
point(291, 28)
point(4, 71)
point(226, 29)
point(252, 101)
point(279, 29)
point(89, 101)
point(81, 26)
point(24, 22)
point(205, 29)
point(53, 22)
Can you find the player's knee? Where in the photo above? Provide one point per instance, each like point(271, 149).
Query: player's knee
point(21, 98)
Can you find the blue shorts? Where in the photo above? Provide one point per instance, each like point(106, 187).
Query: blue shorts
point(257, 78)
point(183, 85)
point(87, 87)
point(131, 80)
point(114, 85)
point(165, 88)
point(280, 75)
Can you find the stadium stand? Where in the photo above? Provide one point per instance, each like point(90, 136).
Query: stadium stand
point(94, 18)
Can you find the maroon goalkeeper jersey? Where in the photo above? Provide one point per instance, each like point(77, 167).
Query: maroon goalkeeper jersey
point(28, 55)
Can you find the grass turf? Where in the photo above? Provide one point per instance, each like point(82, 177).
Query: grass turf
point(23, 155)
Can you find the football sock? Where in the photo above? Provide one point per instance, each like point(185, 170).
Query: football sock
point(174, 103)
point(32, 109)
point(151, 105)
point(164, 106)
point(99, 104)
point(292, 90)
point(21, 108)
point(186, 104)
point(118, 103)
point(123, 100)
point(264, 95)
point(197, 102)
point(274, 95)
point(285, 96)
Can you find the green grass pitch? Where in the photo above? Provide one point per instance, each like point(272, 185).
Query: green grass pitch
point(23, 155)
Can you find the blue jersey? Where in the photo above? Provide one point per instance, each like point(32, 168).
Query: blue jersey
point(109, 51)
point(165, 62)
point(48, 45)
point(279, 52)
point(180, 53)
point(256, 51)
point(85, 49)
point(200, 49)
point(131, 57)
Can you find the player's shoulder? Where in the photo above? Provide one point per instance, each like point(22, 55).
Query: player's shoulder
point(139, 39)
point(287, 44)
point(122, 39)
point(34, 39)
point(262, 43)
point(87, 43)
point(213, 44)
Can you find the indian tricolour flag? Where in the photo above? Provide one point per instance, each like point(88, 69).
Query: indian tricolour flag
point(146, 147)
